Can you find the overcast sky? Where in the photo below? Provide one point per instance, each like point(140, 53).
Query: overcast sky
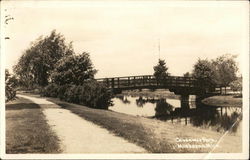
point(122, 37)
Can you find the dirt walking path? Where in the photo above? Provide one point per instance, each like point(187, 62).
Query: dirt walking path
point(80, 136)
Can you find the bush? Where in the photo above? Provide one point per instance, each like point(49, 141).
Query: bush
point(10, 86)
point(50, 90)
point(91, 94)
point(10, 93)
point(61, 91)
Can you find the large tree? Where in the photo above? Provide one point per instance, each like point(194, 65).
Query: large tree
point(161, 70)
point(220, 72)
point(204, 72)
point(237, 85)
point(37, 62)
point(73, 69)
point(225, 70)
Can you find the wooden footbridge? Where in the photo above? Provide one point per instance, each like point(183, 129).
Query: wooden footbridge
point(178, 85)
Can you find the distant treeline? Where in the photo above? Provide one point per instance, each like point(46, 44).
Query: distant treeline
point(219, 72)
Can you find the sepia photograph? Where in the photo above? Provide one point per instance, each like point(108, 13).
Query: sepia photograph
point(124, 79)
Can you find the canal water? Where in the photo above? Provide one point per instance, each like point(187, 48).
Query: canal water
point(190, 113)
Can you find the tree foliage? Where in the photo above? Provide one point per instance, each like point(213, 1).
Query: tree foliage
point(203, 70)
point(161, 70)
point(37, 62)
point(10, 85)
point(204, 73)
point(73, 69)
point(187, 74)
point(225, 70)
point(220, 72)
point(236, 85)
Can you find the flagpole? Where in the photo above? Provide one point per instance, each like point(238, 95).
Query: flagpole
point(159, 48)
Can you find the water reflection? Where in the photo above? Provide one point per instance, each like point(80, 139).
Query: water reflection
point(124, 99)
point(163, 109)
point(140, 102)
point(186, 112)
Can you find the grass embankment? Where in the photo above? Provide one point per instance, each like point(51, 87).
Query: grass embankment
point(159, 93)
point(27, 130)
point(154, 135)
point(223, 101)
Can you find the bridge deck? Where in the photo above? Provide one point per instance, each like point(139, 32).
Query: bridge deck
point(131, 82)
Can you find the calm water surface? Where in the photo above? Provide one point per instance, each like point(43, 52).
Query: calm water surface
point(187, 113)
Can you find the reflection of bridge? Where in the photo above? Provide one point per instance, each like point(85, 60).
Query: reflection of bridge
point(178, 85)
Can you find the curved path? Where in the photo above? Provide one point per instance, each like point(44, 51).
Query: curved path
point(80, 136)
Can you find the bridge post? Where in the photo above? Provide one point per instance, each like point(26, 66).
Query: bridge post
point(185, 101)
point(176, 81)
point(134, 81)
point(107, 81)
point(113, 83)
point(118, 82)
point(128, 81)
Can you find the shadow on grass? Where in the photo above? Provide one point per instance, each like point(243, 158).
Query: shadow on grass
point(237, 96)
point(20, 106)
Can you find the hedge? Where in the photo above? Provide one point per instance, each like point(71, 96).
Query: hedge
point(91, 94)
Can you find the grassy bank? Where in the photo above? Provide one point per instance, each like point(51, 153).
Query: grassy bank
point(154, 135)
point(223, 101)
point(27, 130)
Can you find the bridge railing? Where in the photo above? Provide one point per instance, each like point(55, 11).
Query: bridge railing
point(147, 80)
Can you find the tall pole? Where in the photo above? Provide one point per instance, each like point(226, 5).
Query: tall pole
point(159, 48)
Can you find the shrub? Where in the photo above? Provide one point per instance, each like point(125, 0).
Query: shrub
point(61, 91)
point(10, 93)
point(71, 94)
point(236, 85)
point(50, 90)
point(10, 86)
point(97, 95)
point(91, 94)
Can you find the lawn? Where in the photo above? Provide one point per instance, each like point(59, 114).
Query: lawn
point(27, 130)
point(224, 101)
